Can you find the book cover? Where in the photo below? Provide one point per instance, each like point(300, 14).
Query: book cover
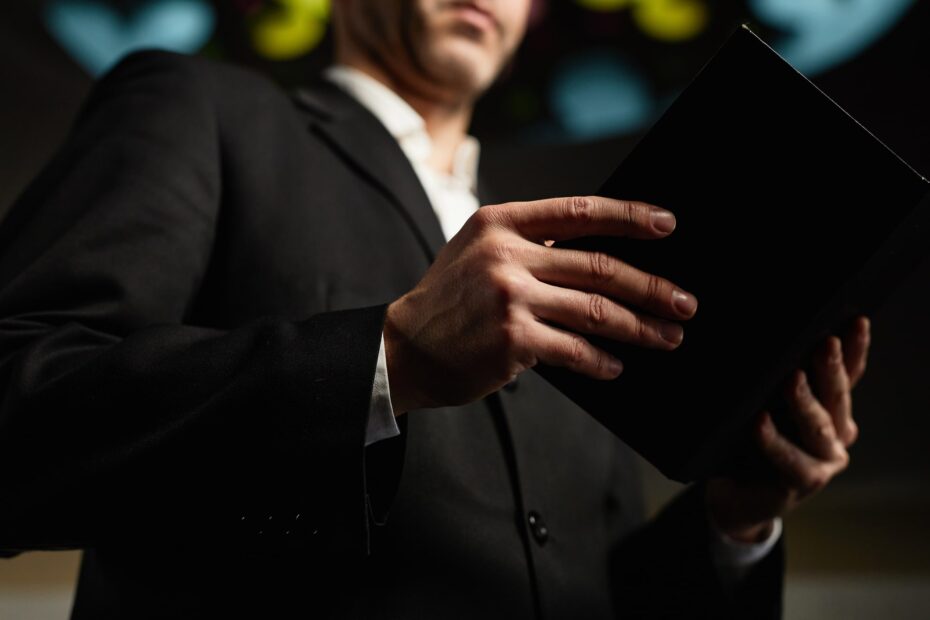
point(792, 219)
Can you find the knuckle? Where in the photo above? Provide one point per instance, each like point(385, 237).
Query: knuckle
point(596, 315)
point(599, 364)
point(496, 281)
point(576, 351)
point(579, 208)
point(821, 477)
point(824, 430)
point(814, 479)
point(484, 217)
point(643, 332)
point(652, 290)
point(843, 459)
point(628, 214)
point(602, 267)
point(488, 246)
point(507, 287)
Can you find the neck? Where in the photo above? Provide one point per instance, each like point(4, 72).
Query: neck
point(446, 120)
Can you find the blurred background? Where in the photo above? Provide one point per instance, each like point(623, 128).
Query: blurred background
point(590, 79)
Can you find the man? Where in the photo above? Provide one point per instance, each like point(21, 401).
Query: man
point(244, 370)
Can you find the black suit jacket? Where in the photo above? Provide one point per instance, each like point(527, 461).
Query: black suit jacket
point(191, 299)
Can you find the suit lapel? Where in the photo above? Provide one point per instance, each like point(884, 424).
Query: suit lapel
point(360, 138)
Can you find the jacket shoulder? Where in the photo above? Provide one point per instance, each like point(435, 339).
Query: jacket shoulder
point(178, 99)
point(183, 75)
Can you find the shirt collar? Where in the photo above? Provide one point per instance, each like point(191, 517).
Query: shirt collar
point(394, 113)
point(403, 122)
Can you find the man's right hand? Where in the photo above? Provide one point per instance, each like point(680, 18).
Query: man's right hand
point(498, 300)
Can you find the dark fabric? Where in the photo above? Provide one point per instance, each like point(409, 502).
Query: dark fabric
point(677, 565)
point(191, 298)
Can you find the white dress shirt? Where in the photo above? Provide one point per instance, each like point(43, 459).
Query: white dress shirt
point(453, 197)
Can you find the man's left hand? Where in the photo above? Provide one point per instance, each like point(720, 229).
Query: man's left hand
point(822, 407)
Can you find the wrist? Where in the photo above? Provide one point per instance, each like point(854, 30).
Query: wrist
point(752, 534)
point(736, 529)
point(394, 354)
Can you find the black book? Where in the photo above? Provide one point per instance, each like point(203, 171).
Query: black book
point(792, 220)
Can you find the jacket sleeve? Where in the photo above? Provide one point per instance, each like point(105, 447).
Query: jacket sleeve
point(665, 569)
point(118, 418)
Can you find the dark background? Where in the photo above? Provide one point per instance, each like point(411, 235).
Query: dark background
point(586, 84)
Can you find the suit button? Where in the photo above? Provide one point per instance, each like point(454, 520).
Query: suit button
point(537, 527)
point(511, 387)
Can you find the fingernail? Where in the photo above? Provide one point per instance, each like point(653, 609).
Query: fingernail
point(802, 384)
point(765, 424)
point(663, 221)
point(684, 303)
point(836, 351)
point(615, 366)
point(672, 332)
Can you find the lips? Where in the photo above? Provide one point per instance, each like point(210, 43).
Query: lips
point(478, 14)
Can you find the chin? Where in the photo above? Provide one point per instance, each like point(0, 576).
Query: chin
point(464, 66)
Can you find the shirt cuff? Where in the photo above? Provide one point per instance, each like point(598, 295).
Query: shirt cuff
point(734, 558)
point(381, 421)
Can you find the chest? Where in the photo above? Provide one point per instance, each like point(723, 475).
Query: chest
point(302, 232)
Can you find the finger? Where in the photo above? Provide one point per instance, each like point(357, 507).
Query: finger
point(598, 272)
point(591, 313)
point(798, 470)
point(856, 348)
point(557, 347)
point(831, 384)
point(580, 216)
point(814, 422)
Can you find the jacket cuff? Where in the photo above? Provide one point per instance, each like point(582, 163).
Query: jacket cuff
point(329, 453)
point(666, 569)
point(384, 452)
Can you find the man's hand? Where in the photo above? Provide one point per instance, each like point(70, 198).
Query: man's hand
point(745, 509)
point(498, 300)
